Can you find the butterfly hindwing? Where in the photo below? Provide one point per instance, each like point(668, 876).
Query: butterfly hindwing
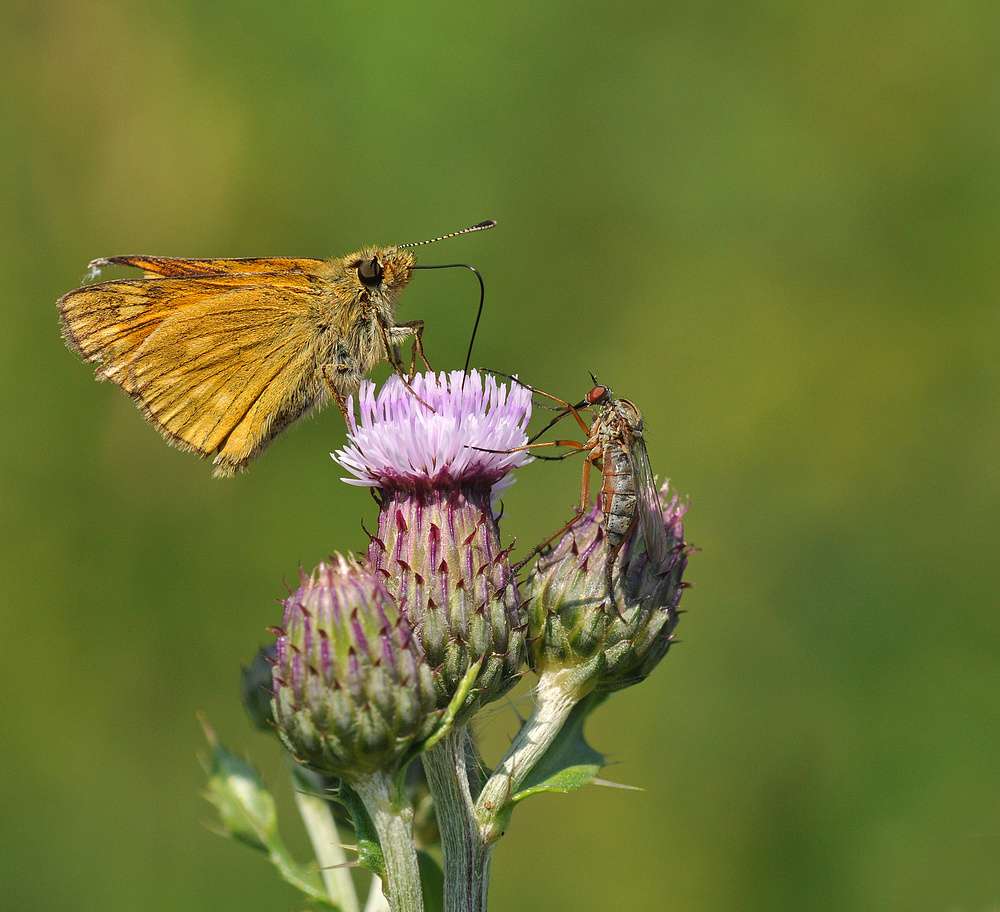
point(206, 376)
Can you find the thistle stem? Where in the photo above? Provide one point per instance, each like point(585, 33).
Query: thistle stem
point(330, 855)
point(470, 827)
point(466, 856)
point(555, 698)
point(392, 817)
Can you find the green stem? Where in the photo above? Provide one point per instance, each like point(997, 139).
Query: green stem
point(330, 855)
point(466, 856)
point(555, 698)
point(471, 826)
point(392, 816)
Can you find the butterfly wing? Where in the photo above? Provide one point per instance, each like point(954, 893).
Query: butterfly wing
point(231, 372)
point(173, 267)
point(216, 360)
point(106, 322)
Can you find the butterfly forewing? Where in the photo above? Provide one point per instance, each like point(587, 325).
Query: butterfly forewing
point(108, 321)
point(174, 267)
point(198, 344)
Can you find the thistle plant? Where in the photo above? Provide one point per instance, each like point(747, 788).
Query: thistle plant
point(383, 660)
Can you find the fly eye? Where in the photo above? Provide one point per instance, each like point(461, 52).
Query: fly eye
point(597, 394)
point(370, 273)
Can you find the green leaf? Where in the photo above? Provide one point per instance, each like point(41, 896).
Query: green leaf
point(247, 814)
point(369, 848)
point(570, 762)
point(245, 806)
point(431, 882)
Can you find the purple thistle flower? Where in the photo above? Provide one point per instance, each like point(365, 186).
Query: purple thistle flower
point(439, 454)
point(401, 443)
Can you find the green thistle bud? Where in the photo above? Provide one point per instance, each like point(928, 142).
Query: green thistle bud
point(604, 632)
point(352, 692)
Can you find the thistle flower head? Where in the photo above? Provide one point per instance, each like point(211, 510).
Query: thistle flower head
point(352, 693)
point(443, 431)
point(605, 631)
point(440, 453)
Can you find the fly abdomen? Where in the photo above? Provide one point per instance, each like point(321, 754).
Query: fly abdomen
point(619, 502)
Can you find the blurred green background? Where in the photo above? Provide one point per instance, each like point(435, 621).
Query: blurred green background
point(775, 226)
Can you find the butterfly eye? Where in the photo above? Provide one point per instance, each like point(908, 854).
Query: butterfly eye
point(370, 273)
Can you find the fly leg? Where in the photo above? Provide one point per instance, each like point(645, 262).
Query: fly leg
point(584, 495)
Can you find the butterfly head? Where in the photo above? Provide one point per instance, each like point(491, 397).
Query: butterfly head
point(381, 272)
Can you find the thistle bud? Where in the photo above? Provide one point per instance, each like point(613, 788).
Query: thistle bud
point(605, 631)
point(352, 693)
point(439, 451)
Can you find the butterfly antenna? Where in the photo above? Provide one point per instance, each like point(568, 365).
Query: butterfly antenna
point(482, 226)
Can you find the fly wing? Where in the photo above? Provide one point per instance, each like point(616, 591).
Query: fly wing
point(654, 531)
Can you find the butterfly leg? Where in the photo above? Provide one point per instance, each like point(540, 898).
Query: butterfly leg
point(329, 372)
point(417, 328)
point(392, 354)
point(342, 405)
